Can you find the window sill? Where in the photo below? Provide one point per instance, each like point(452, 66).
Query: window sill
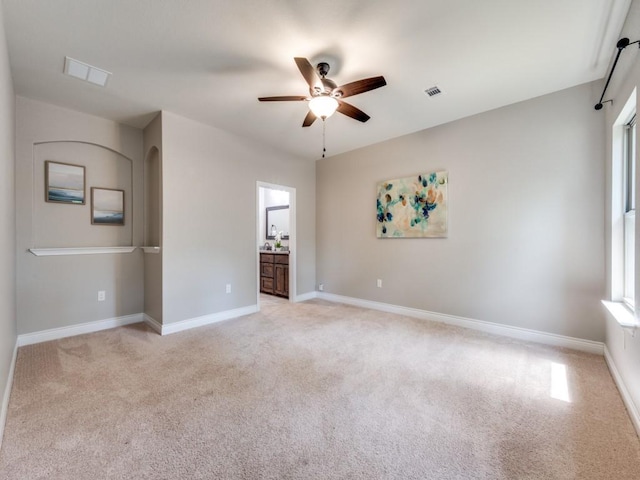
point(623, 315)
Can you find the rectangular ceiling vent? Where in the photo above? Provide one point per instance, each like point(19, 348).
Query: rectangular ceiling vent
point(84, 71)
point(433, 91)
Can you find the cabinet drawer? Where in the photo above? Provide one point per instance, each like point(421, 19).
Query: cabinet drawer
point(284, 259)
point(267, 257)
point(266, 270)
point(266, 285)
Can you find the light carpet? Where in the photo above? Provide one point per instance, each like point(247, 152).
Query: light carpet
point(314, 391)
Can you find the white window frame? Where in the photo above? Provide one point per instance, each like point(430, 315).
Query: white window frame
point(629, 215)
point(623, 311)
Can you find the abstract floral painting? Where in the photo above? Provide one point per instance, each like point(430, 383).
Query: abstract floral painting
point(413, 206)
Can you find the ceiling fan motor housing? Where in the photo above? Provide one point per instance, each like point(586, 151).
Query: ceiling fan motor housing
point(327, 85)
point(323, 69)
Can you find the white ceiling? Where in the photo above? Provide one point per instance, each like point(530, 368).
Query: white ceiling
point(209, 60)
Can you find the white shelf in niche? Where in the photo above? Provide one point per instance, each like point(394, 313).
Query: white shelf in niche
point(46, 252)
point(150, 249)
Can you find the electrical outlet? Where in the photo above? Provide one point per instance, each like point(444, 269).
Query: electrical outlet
point(228, 290)
point(321, 287)
point(379, 283)
point(102, 295)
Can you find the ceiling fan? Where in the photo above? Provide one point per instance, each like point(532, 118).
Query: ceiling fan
point(325, 97)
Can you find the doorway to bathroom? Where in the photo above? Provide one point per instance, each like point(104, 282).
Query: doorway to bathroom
point(276, 242)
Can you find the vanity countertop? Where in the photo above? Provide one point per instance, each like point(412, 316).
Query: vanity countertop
point(275, 253)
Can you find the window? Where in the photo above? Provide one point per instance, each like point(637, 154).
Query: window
point(629, 200)
point(621, 262)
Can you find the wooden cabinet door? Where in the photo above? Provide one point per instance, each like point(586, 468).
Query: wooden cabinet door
point(286, 281)
point(281, 280)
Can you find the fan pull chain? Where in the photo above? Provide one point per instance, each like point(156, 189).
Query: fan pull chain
point(324, 128)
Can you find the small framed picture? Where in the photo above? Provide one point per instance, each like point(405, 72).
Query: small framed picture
point(107, 206)
point(64, 183)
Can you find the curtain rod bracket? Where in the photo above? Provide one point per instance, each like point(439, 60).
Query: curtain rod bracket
point(621, 45)
point(601, 104)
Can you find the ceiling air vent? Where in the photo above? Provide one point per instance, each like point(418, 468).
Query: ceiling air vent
point(434, 91)
point(86, 72)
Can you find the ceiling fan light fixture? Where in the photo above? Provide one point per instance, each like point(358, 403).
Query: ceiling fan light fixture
point(323, 106)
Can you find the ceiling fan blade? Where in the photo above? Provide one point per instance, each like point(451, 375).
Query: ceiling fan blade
point(360, 86)
point(308, 72)
point(309, 119)
point(284, 98)
point(351, 111)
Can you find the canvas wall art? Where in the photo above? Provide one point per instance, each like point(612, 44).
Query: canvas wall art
point(107, 206)
point(413, 207)
point(64, 183)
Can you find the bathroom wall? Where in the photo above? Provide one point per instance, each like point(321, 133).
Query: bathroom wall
point(270, 198)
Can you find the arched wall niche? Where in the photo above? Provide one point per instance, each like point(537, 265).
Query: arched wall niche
point(153, 283)
point(60, 225)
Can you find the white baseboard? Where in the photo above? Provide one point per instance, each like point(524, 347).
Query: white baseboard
point(7, 393)
point(488, 327)
point(80, 329)
point(624, 392)
point(306, 296)
point(206, 320)
point(153, 323)
point(90, 327)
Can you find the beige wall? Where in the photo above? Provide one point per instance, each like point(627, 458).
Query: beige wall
point(62, 291)
point(526, 218)
point(208, 185)
point(7, 221)
point(209, 217)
